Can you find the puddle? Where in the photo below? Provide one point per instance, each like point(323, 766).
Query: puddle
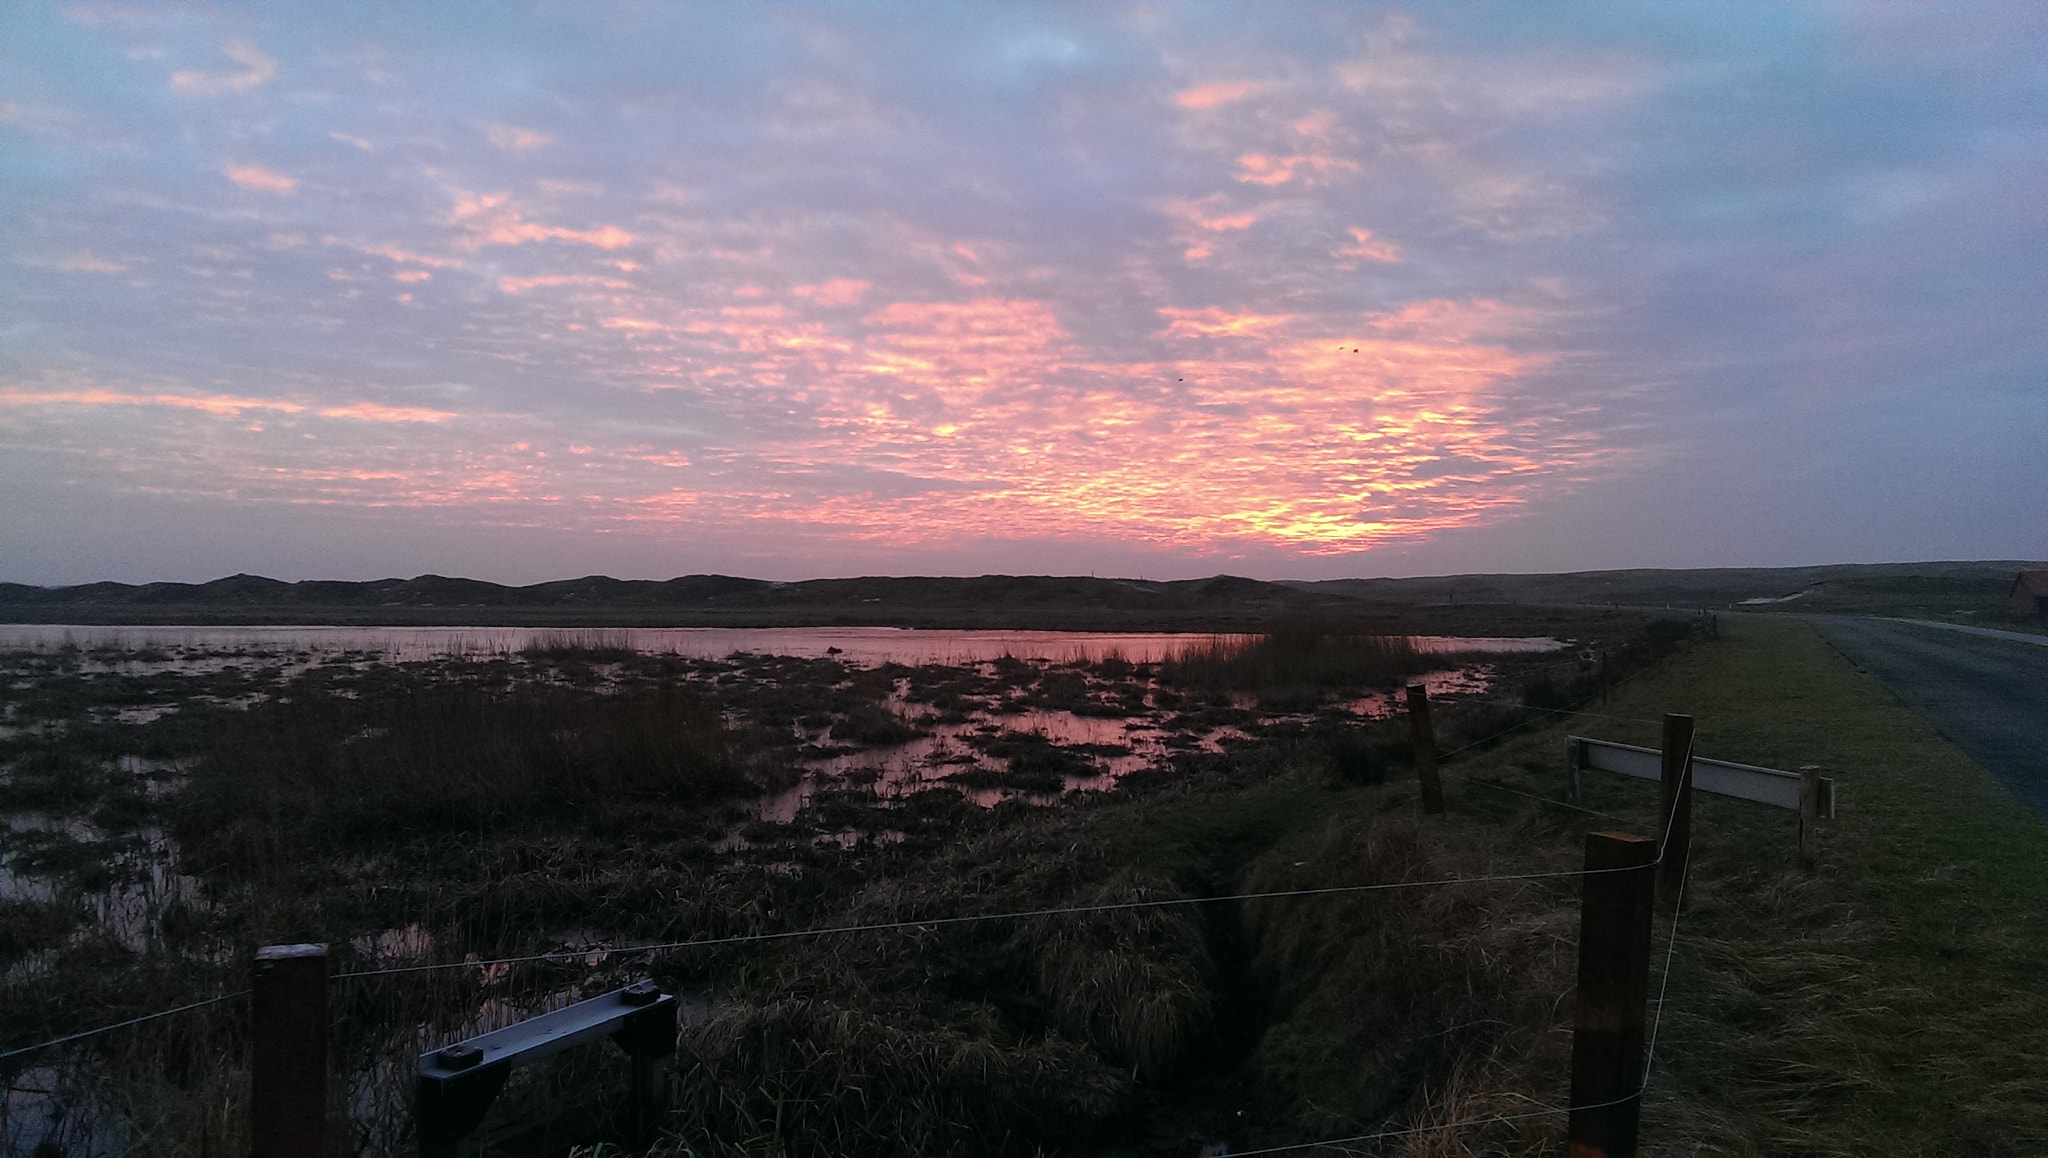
point(977, 747)
point(47, 1111)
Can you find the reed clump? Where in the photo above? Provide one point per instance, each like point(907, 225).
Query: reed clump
point(322, 773)
point(1137, 984)
point(802, 1076)
point(1301, 653)
point(589, 645)
point(1387, 1007)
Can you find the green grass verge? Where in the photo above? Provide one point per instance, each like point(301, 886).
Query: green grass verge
point(1896, 1002)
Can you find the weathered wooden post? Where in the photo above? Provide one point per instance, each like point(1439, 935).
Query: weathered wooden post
point(1809, 814)
point(1574, 763)
point(1613, 997)
point(288, 1051)
point(1425, 749)
point(1675, 817)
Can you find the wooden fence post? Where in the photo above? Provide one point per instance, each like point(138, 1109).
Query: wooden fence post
point(1425, 749)
point(1574, 764)
point(288, 1051)
point(1809, 814)
point(1613, 997)
point(1675, 817)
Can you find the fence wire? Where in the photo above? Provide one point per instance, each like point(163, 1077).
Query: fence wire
point(973, 918)
point(81, 1035)
point(970, 918)
point(832, 930)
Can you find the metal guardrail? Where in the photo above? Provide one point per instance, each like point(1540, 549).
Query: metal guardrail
point(458, 1083)
point(1770, 786)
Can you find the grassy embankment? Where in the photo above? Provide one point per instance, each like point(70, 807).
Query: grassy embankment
point(1895, 1002)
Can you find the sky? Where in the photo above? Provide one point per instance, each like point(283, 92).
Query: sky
point(525, 292)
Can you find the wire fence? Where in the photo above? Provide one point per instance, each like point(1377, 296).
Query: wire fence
point(837, 930)
point(1355, 1140)
point(83, 1034)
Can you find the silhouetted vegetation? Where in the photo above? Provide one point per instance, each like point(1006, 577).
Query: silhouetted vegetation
point(1302, 653)
point(425, 759)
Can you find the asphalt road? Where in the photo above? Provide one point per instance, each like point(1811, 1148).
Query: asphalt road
point(1989, 696)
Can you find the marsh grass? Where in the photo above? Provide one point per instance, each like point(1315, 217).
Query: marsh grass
point(1888, 1005)
point(321, 773)
point(589, 645)
point(1302, 653)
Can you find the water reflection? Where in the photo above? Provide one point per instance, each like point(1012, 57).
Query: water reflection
point(973, 748)
point(862, 645)
point(155, 645)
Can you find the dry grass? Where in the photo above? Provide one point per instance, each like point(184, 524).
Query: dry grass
point(1410, 1007)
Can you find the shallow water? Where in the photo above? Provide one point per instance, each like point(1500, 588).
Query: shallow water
point(862, 645)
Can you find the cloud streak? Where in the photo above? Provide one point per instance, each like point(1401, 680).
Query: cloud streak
point(261, 180)
point(256, 70)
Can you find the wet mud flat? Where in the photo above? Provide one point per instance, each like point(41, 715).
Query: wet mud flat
point(168, 808)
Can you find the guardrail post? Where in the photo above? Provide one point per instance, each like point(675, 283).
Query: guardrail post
point(1574, 763)
point(1425, 749)
point(1613, 996)
point(288, 1051)
point(649, 1039)
point(1675, 817)
point(457, 1083)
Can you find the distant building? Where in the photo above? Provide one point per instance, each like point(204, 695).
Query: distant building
point(2029, 594)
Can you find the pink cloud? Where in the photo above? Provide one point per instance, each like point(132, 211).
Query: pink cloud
point(1364, 245)
point(257, 69)
point(220, 405)
point(491, 219)
point(838, 291)
point(1216, 94)
point(260, 179)
point(517, 140)
point(373, 412)
point(1213, 323)
point(520, 285)
point(403, 256)
point(520, 232)
point(1200, 215)
point(1308, 168)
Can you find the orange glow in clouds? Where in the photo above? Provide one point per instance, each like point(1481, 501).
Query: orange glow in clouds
point(989, 421)
point(943, 422)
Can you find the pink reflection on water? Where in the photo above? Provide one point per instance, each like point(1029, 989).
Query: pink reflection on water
point(1111, 747)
